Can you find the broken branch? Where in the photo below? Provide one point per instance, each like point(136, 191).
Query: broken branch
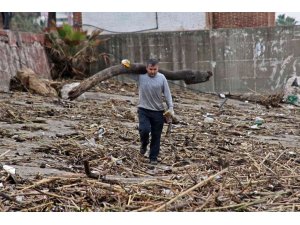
point(189, 77)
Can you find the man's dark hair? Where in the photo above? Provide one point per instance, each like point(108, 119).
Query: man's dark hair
point(152, 62)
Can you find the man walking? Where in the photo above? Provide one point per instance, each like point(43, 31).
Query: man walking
point(152, 86)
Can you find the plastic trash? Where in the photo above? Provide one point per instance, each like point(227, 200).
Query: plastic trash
point(90, 142)
point(218, 177)
point(292, 154)
point(20, 198)
point(292, 91)
point(279, 115)
point(259, 121)
point(101, 132)
point(116, 160)
point(208, 120)
point(167, 192)
point(255, 126)
point(292, 99)
point(222, 95)
point(9, 169)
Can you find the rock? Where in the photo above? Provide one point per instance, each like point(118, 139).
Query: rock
point(67, 88)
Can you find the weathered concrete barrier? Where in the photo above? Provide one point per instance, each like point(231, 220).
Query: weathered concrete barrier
point(20, 49)
point(242, 60)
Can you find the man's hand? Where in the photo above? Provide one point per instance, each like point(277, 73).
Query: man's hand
point(126, 63)
point(170, 112)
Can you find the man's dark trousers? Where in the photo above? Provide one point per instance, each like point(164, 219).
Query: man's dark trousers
point(151, 121)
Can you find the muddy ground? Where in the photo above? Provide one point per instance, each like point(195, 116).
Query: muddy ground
point(47, 140)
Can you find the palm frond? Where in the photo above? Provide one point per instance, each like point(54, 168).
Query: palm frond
point(73, 51)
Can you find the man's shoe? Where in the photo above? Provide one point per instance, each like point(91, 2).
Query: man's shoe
point(143, 150)
point(153, 161)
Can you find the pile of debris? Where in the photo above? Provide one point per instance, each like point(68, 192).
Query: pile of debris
point(60, 155)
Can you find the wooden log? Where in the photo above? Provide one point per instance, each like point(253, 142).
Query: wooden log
point(268, 100)
point(34, 84)
point(189, 77)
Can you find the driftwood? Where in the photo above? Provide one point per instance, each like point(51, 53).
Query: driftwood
point(31, 82)
point(190, 189)
point(272, 100)
point(263, 164)
point(189, 77)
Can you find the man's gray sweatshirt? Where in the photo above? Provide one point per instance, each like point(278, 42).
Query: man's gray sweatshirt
point(151, 90)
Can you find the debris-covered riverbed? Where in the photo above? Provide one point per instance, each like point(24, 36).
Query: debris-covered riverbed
point(238, 157)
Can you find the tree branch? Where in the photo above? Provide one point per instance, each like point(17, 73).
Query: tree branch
point(189, 77)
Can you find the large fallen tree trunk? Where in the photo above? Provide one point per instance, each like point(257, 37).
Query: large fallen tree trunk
point(189, 77)
point(268, 100)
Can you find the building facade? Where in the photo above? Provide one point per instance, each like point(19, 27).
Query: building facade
point(120, 22)
point(215, 20)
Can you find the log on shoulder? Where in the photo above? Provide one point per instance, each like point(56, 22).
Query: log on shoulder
point(189, 77)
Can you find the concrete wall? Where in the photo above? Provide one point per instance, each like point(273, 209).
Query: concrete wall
point(19, 49)
point(242, 60)
point(136, 21)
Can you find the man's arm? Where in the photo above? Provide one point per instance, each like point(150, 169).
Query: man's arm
point(168, 96)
